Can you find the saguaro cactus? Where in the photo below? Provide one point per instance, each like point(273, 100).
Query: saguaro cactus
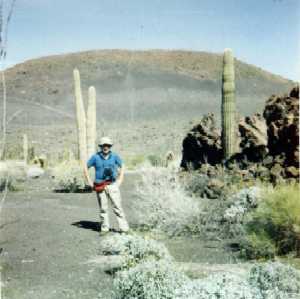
point(25, 148)
point(91, 122)
point(228, 106)
point(81, 118)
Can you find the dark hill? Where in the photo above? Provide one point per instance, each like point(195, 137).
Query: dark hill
point(148, 93)
point(135, 85)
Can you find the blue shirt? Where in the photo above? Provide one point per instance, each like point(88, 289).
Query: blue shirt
point(105, 169)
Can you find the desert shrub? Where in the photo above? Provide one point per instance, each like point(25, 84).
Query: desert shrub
point(275, 280)
point(215, 182)
point(256, 246)
point(153, 274)
point(243, 201)
point(156, 160)
point(218, 286)
point(12, 183)
point(141, 249)
point(237, 208)
point(135, 249)
point(68, 177)
point(196, 184)
point(226, 217)
point(224, 209)
point(134, 161)
point(150, 279)
point(12, 175)
point(14, 151)
point(278, 218)
point(263, 281)
point(163, 203)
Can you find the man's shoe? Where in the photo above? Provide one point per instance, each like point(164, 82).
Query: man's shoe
point(103, 233)
point(126, 232)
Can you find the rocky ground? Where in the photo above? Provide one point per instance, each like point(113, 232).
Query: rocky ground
point(50, 245)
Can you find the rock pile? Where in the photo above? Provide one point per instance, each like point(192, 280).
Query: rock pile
point(268, 144)
point(202, 144)
point(282, 118)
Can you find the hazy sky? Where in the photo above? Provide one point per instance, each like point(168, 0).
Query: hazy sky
point(260, 32)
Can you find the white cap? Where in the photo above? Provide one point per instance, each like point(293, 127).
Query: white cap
point(105, 140)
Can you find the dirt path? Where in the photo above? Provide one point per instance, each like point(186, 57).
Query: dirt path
point(47, 239)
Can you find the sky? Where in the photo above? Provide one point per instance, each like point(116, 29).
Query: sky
point(265, 33)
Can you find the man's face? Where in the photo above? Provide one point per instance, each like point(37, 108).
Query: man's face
point(106, 148)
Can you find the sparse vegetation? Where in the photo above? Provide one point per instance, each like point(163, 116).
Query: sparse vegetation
point(163, 203)
point(12, 183)
point(275, 280)
point(156, 160)
point(132, 162)
point(68, 177)
point(12, 175)
point(157, 276)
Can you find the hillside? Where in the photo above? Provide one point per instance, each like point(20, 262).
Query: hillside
point(148, 87)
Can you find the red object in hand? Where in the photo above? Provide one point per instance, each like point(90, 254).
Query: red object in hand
point(98, 187)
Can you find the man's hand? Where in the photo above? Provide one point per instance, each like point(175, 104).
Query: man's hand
point(118, 182)
point(120, 178)
point(86, 175)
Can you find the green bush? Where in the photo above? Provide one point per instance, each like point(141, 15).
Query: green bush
point(277, 219)
point(256, 246)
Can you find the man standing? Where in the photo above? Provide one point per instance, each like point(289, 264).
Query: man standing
point(109, 174)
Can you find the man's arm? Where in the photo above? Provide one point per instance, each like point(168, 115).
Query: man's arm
point(86, 171)
point(120, 176)
point(87, 176)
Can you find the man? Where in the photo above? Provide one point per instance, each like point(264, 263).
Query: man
point(109, 175)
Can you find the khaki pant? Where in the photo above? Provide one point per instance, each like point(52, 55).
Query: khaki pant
point(112, 193)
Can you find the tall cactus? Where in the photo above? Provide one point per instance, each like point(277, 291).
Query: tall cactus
point(91, 122)
point(81, 118)
point(228, 106)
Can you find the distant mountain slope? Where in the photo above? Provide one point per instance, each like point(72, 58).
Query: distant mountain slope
point(133, 85)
